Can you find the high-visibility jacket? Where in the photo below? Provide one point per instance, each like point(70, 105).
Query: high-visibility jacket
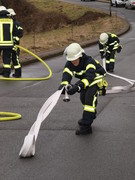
point(111, 45)
point(19, 33)
point(89, 71)
point(6, 32)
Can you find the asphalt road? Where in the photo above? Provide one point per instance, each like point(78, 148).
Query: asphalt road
point(107, 154)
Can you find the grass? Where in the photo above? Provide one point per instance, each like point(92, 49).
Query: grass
point(73, 11)
point(61, 37)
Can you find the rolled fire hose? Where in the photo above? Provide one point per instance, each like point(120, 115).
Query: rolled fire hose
point(118, 89)
point(28, 147)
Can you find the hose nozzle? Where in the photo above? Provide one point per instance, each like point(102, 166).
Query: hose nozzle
point(66, 97)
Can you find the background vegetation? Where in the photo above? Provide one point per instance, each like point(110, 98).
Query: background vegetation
point(52, 24)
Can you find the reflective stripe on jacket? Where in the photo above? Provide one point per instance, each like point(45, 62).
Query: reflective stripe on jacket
point(112, 44)
point(6, 32)
point(89, 71)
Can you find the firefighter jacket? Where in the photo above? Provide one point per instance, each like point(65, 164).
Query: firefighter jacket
point(89, 71)
point(111, 45)
point(7, 29)
point(19, 34)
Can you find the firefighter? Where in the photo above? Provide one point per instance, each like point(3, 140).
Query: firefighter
point(15, 50)
point(91, 77)
point(6, 40)
point(7, 28)
point(109, 45)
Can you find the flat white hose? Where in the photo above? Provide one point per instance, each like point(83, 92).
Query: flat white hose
point(28, 148)
point(118, 89)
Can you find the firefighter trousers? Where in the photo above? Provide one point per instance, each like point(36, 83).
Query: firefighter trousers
point(110, 60)
point(88, 99)
point(6, 61)
point(16, 62)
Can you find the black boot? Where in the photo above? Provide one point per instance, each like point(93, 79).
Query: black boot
point(6, 74)
point(83, 130)
point(2, 72)
point(18, 73)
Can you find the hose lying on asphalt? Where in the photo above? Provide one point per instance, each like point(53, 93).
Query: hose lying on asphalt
point(28, 148)
point(14, 116)
point(119, 89)
point(9, 116)
point(30, 79)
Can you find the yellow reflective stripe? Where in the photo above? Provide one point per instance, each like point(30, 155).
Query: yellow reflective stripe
point(97, 61)
point(16, 38)
point(6, 65)
point(89, 108)
point(79, 73)
point(95, 98)
point(20, 28)
point(112, 60)
point(2, 22)
point(98, 77)
point(107, 62)
point(95, 82)
point(17, 66)
point(68, 71)
point(9, 43)
point(86, 82)
point(65, 82)
point(1, 34)
point(116, 46)
point(101, 50)
point(108, 51)
point(90, 66)
point(112, 43)
point(113, 35)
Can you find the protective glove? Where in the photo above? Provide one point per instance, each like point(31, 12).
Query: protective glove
point(119, 49)
point(66, 87)
point(77, 87)
point(16, 40)
point(72, 90)
point(60, 87)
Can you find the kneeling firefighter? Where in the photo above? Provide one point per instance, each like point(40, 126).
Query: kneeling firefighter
point(91, 77)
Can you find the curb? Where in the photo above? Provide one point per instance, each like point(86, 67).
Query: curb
point(56, 52)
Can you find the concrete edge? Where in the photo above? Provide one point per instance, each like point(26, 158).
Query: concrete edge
point(56, 52)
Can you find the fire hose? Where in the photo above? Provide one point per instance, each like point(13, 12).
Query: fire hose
point(30, 79)
point(15, 116)
point(28, 147)
point(119, 89)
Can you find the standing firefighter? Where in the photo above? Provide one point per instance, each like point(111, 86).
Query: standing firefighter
point(16, 39)
point(91, 79)
point(108, 47)
point(6, 40)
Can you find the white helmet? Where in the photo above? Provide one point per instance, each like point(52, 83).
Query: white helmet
point(3, 8)
point(73, 52)
point(103, 38)
point(11, 12)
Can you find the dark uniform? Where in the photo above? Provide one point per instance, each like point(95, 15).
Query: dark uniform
point(7, 27)
point(15, 50)
point(91, 75)
point(109, 51)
